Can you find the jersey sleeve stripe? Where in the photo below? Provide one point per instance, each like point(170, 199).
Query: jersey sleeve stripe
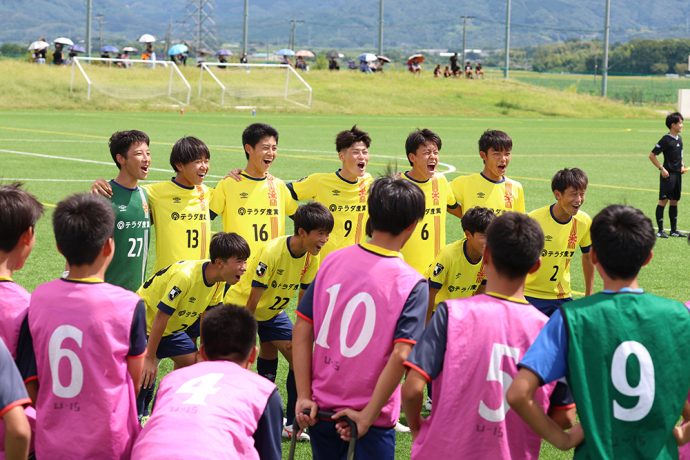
point(31, 379)
point(418, 369)
point(304, 317)
point(401, 340)
point(168, 310)
point(12, 405)
point(564, 407)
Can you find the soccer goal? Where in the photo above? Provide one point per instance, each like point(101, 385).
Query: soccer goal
point(132, 79)
point(253, 85)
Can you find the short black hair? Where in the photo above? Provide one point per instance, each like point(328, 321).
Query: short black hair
point(82, 224)
point(495, 139)
point(420, 137)
point(573, 177)
point(19, 211)
point(673, 118)
point(515, 242)
point(226, 245)
point(121, 141)
point(313, 216)
point(253, 133)
point(394, 204)
point(622, 238)
point(228, 332)
point(187, 150)
point(477, 219)
point(346, 139)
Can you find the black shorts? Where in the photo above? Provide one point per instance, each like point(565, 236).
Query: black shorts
point(670, 187)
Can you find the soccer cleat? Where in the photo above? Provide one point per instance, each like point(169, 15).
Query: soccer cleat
point(427, 404)
point(661, 234)
point(400, 428)
point(287, 434)
point(676, 233)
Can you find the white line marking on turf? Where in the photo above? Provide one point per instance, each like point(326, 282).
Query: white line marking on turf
point(81, 160)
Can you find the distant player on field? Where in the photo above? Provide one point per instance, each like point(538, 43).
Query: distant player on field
point(565, 227)
point(458, 270)
point(344, 192)
point(670, 173)
point(356, 325)
point(216, 408)
point(488, 334)
point(255, 204)
point(88, 339)
point(616, 350)
point(132, 156)
point(285, 265)
point(491, 188)
point(19, 212)
point(422, 147)
point(176, 297)
point(179, 207)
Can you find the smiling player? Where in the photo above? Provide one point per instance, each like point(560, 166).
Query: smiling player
point(491, 188)
point(285, 265)
point(256, 205)
point(344, 192)
point(422, 147)
point(565, 226)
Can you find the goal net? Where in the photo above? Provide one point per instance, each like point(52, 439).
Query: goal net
point(253, 85)
point(133, 79)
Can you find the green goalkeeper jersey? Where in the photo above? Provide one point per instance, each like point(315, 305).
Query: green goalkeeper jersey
point(132, 229)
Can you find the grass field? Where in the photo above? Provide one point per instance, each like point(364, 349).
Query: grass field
point(56, 153)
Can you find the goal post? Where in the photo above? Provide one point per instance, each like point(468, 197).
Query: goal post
point(243, 85)
point(133, 79)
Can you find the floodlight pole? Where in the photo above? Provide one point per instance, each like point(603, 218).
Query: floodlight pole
point(507, 51)
point(294, 23)
point(99, 18)
point(605, 64)
point(464, 35)
point(88, 27)
point(245, 27)
point(380, 27)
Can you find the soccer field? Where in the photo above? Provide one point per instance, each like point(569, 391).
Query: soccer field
point(59, 153)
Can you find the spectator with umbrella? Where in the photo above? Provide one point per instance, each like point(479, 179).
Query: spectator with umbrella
point(364, 62)
point(381, 61)
point(284, 53)
point(60, 43)
point(333, 60)
point(38, 50)
point(178, 53)
point(413, 63)
point(149, 54)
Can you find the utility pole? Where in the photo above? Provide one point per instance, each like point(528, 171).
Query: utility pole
point(380, 27)
point(294, 23)
point(464, 30)
point(245, 28)
point(605, 64)
point(99, 18)
point(88, 27)
point(507, 62)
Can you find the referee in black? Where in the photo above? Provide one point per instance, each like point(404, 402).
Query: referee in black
point(671, 145)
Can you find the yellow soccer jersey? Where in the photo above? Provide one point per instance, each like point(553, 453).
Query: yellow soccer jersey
point(181, 220)
point(477, 190)
point(275, 269)
point(346, 200)
point(453, 275)
point(253, 208)
point(430, 235)
point(181, 291)
point(552, 280)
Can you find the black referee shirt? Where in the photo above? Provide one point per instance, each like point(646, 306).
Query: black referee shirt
point(672, 148)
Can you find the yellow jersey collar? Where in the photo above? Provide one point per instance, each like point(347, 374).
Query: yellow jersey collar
point(378, 250)
point(508, 298)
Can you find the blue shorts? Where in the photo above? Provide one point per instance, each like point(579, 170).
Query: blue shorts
point(378, 443)
point(277, 328)
point(547, 306)
point(179, 343)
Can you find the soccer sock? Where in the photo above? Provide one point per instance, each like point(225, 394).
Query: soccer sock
point(660, 217)
point(267, 368)
point(291, 388)
point(673, 216)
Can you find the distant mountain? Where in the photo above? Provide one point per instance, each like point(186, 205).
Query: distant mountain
point(408, 24)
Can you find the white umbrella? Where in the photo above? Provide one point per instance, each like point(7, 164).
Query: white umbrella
point(130, 49)
point(369, 57)
point(304, 53)
point(63, 41)
point(147, 38)
point(38, 45)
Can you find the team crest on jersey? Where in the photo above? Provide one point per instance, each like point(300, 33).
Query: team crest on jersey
point(192, 299)
point(335, 192)
point(261, 269)
point(177, 200)
point(481, 194)
point(280, 271)
point(244, 195)
point(438, 269)
point(122, 207)
point(548, 238)
point(174, 292)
